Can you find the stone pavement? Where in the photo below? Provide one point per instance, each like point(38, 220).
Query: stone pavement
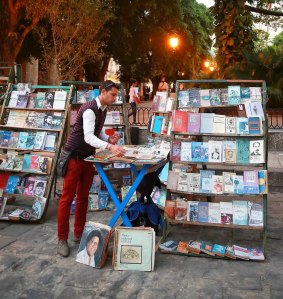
point(30, 267)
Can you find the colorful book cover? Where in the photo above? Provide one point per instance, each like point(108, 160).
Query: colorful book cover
point(242, 151)
point(22, 140)
point(13, 98)
point(217, 184)
point(207, 248)
point(194, 97)
point(39, 103)
point(39, 186)
point(158, 120)
point(194, 247)
point(245, 93)
point(182, 247)
point(39, 140)
point(218, 249)
point(240, 212)
point(81, 96)
point(226, 212)
point(169, 246)
point(206, 122)
point(254, 108)
point(92, 202)
point(204, 98)
point(241, 252)
point(234, 95)
point(251, 182)
point(179, 121)
point(203, 211)
point(170, 206)
point(181, 210)
point(31, 100)
point(256, 254)
point(242, 125)
point(155, 103)
point(193, 122)
point(255, 211)
point(200, 151)
point(30, 140)
point(257, 151)
point(192, 211)
point(229, 151)
point(13, 142)
point(224, 96)
point(214, 212)
point(214, 97)
point(6, 136)
point(162, 103)
point(134, 249)
point(103, 197)
point(176, 151)
point(29, 186)
point(57, 120)
point(50, 142)
point(186, 151)
point(206, 180)
point(230, 125)
point(262, 181)
point(12, 183)
point(18, 162)
point(94, 244)
point(183, 98)
point(228, 186)
point(22, 101)
point(194, 182)
point(238, 183)
point(255, 125)
point(4, 176)
point(27, 161)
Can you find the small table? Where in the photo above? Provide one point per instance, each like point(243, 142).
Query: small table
point(139, 174)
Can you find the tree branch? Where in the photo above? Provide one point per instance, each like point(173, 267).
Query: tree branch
point(264, 11)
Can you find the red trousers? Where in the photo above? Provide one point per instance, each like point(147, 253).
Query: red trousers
point(77, 181)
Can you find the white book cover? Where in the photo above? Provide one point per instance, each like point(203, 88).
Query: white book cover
point(186, 151)
point(169, 130)
point(228, 186)
point(206, 122)
point(162, 104)
point(255, 94)
point(217, 184)
point(254, 108)
point(230, 125)
point(219, 124)
point(241, 252)
point(13, 98)
point(214, 212)
point(59, 99)
point(255, 211)
point(194, 182)
point(257, 151)
point(204, 98)
point(226, 209)
point(112, 118)
point(215, 151)
point(152, 123)
point(169, 104)
point(240, 212)
point(183, 182)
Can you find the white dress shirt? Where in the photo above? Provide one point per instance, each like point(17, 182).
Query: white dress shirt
point(88, 126)
point(83, 257)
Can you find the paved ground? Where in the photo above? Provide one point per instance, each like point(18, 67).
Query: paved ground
point(30, 268)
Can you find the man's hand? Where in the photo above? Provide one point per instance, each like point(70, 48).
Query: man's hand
point(113, 139)
point(117, 150)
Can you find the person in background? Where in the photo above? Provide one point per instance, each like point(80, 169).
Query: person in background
point(86, 136)
point(163, 85)
point(134, 100)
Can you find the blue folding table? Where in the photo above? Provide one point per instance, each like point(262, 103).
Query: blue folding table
point(139, 174)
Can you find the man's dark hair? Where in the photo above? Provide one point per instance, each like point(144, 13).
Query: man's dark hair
point(107, 85)
point(93, 233)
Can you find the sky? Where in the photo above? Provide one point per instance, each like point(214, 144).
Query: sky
point(207, 3)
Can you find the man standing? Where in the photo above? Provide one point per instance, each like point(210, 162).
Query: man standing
point(86, 136)
point(133, 100)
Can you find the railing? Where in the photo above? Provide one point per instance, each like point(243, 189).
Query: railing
point(275, 118)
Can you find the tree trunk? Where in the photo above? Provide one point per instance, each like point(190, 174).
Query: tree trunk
point(53, 74)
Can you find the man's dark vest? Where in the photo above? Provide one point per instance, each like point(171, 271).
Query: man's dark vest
point(76, 142)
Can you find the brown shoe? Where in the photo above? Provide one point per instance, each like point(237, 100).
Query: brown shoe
point(77, 239)
point(63, 248)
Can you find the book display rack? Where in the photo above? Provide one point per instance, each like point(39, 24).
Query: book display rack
point(219, 127)
point(32, 125)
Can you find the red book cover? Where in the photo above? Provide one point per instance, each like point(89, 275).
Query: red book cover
point(170, 208)
point(176, 151)
point(179, 121)
point(3, 179)
point(34, 162)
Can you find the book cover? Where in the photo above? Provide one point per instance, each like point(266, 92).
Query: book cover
point(241, 110)
point(4, 176)
point(6, 136)
point(103, 197)
point(194, 182)
point(48, 100)
point(30, 140)
point(96, 184)
point(3, 201)
point(207, 248)
point(226, 212)
point(125, 190)
point(94, 244)
point(17, 118)
point(256, 254)
point(13, 142)
point(254, 108)
point(200, 151)
point(214, 97)
point(238, 183)
point(192, 211)
point(242, 125)
point(230, 125)
point(158, 120)
point(38, 207)
point(12, 183)
point(170, 206)
point(255, 93)
point(169, 104)
point(155, 103)
point(18, 162)
point(206, 180)
point(183, 182)
point(134, 249)
point(229, 151)
point(223, 96)
point(27, 161)
point(251, 182)
point(50, 141)
point(22, 101)
point(229, 252)
point(203, 211)
point(186, 151)
point(172, 182)
point(206, 122)
point(60, 98)
point(214, 212)
point(245, 94)
point(262, 182)
point(39, 186)
point(228, 186)
point(39, 102)
point(240, 212)
point(176, 151)
point(215, 151)
point(194, 247)
point(31, 100)
point(194, 97)
point(241, 252)
point(92, 202)
point(255, 211)
point(39, 140)
point(234, 95)
point(13, 98)
point(57, 120)
point(162, 103)
point(242, 151)
point(29, 186)
point(204, 98)
point(81, 96)
point(169, 246)
point(181, 210)
point(183, 99)
point(193, 122)
point(218, 250)
point(217, 184)
point(255, 125)
point(257, 151)
point(179, 121)
point(219, 125)
point(182, 247)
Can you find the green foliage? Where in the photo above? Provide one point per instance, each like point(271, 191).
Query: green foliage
point(278, 41)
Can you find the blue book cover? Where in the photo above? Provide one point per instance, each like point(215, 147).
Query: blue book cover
point(206, 180)
point(22, 140)
point(242, 150)
point(90, 95)
point(245, 93)
point(27, 161)
point(234, 95)
point(206, 122)
point(214, 97)
point(194, 97)
point(5, 138)
point(240, 212)
point(242, 125)
point(96, 93)
point(238, 184)
point(163, 176)
point(203, 211)
point(219, 249)
point(103, 197)
point(200, 151)
point(30, 140)
point(12, 183)
point(254, 123)
point(158, 120)
point(183, 98)
point(1, 136)
point(262, 181)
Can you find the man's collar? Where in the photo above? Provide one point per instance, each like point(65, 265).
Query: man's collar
point(99, 104)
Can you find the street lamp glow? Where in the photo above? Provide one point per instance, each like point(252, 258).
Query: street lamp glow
point(206, 63)
point(174, 42)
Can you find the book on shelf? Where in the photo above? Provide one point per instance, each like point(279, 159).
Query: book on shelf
point(183, 182)
point(214, 212)
point(39, 186)
point(240, 212)
point(24, 87)
point(229, 252)
point(12, 183)
point(204, 98)
point(179, 121)
point(219, 124)
point(254, 109)
point(217, 184)
point(200, 151)
point(255, 211)
point(242, 125)
point(81, 96)
point(206, 247)
point(206, 122)
point(29, 186)
point(169, 246)
point(112, 118)
point(50, 141)
point(5, 137)
point(39, 102)
point(256, 254)
point(215, 151)
point(230, 125)
point(181, 210)
point(256, 151)
point(16, 118)
point(186, 151)
point(48, 100)
point(31, 100)
point(238, 184)
point(39, 141)
point(155, 103)
point(13, 98)
point(158, 121)
point(170, 206)
point(234, 95)
point(4, 177)
point(134, 248)
point(226, 212)
point(194, 182)
point(206, 180)
point(194, 247)
point(182, 247)
point(203, 211)
point(103, 197)
point(242, 151)
point(241, 252)
point(214, 97)
point(229, 151)
point(228, 186)
point(176, 150)
point(219, 250)
point(60, 98)
point(251, 185)
point(162, 101)
point(172, 182)
point(38, 207)
point(193, 122)
point(19, 214)
point(169, 104)
point(245, 93)
point(192, 211)
point(13, 142)
point(255, 94)
point(183, 99)
point(223, 96)
point(22, 101)
point(263, 181)
point(194, 97)
point(255, 125)
point(92, 202)
point(94, 244)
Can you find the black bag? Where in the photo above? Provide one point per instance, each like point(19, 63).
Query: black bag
point(63, 162)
